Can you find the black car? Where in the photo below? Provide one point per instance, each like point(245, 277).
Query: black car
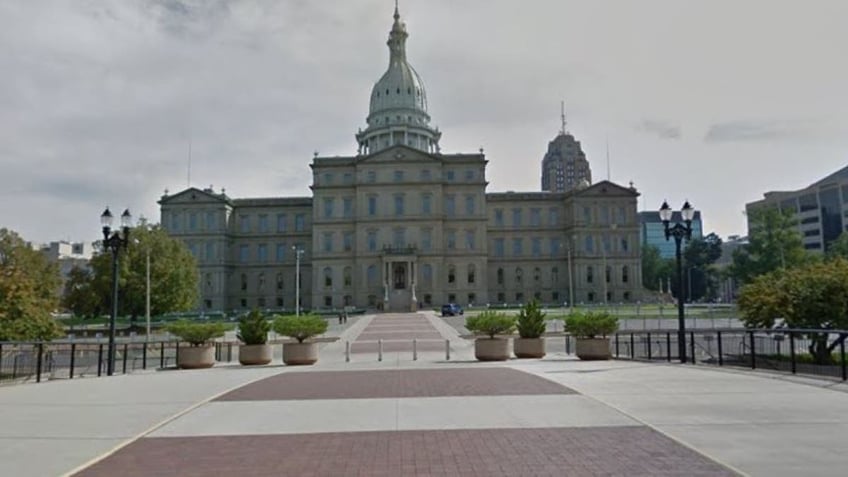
point(451, 309)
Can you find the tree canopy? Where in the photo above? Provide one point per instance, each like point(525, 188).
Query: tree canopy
point(28, 284)
point(699, 256)
point(773, 242)
point(173, 277)
point(654, 267)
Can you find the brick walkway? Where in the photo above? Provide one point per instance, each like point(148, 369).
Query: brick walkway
point(397, 330)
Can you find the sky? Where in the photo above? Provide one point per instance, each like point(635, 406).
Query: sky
point(715, 102)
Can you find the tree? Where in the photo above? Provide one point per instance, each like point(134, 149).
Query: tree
point(79, 295)
point(28, 284)
point(173, 275)
point(773, 243)
point(839, 247)
point(813, 296)
point(654, 267)
point(699, 256)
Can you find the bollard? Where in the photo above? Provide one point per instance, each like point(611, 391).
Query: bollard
point(100, 360)
point(347, 351)
point(379, 350)
point(73, 359)
point(144, 355)
point(162, 355)
point(414, 350)
point(447, 350)
point(124, 369)
point(229, 352)
point(567, 345)
point(38, 363)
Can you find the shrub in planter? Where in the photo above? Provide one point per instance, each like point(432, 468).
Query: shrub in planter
point(491, 323)
point(200, 353)
point(300, 328)
point(591, 330)
point(531, 325)
point(253, 332)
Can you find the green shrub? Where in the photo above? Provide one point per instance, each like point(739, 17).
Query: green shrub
point(590, 324)
point(490, 323)
point(196, 334)
point(300, 327)
point(531, 320)
point(253, 328)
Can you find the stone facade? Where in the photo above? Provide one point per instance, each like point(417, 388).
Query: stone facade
point(401, 225)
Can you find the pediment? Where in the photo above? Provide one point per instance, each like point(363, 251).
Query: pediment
point(607, 189)
point(193, 195)
point(399, 154)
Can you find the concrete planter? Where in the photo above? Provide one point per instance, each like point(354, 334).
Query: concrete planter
point(255, 354)
point(487, 349)
point(196, 357)
point(591, 349)
point(300, 353)
point(528, 347)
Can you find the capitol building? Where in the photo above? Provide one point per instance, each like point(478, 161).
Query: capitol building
point(401, 225)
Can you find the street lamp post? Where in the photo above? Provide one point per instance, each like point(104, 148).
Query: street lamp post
point(679, 231)
point(297, 253)
point(570, 277)
point(114, 241)
point(147, 294)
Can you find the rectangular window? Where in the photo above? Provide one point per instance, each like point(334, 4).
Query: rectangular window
point(281, 252)
point(399, 204)
point(536, 246)
point(398, 176)
point(211, 223)
point(517, 247)
point(450, 239)
point(244, 223)
point(347, 240)
point(372, 205)
point(469, 205)
point(470, 239)
point(347, 178)
point(450, 176)
point(328, 178)
point(347, 207)
point(555, 247)
point(499, 220)
point(426, 204)
point(299, 223)
point(399, 238)
point(175, 221)
point(244, 253)
point(328, 242)
point(426, 239)
point(281, 222)
point(587, 215)
point(426, 175)
point(622, 215)
point(192, 221)
point(329, 203)
point(499, 247)
point(625, 245)
point(605, 215)
point(553, 217)
point(450, 206)
point(469, 175)
point(372, 241)
point(210, 251)
point(262, 252)
point(535, 217)
point(371, 177)
point(516, 217)
point(263, 223)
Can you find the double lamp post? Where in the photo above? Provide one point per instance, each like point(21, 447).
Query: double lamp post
point(679, 231)
point(114, 241)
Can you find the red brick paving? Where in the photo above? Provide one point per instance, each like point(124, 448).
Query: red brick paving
point(608, 451)
point(398, 335)
point(396, 384)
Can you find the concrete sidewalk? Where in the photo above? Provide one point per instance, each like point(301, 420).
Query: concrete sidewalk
point(556, 416)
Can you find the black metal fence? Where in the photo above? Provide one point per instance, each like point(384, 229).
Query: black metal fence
point(796, 351)
point(34, 361)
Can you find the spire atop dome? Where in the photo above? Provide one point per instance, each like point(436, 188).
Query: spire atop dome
point(397, 38)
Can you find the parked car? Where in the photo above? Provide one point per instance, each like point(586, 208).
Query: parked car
point(451, 309)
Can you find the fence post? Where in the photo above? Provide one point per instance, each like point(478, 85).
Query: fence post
point(792, 351)
point(616, 345)
point(720, 351)
point(100, 360)
point(126, 349)
point(692, 345)
point(347, 351)
point(668, 346)
point(144, 355)
point(161, 355)
point(447, 350)
point(73, 359)
point(567, 344)
point(39, 362)
point(753, 351)
point(229, 352)
point(379, 350)
point(649, 346)
point(842, 356)
point(177, 352)
point(414, 349)
point(632, 347)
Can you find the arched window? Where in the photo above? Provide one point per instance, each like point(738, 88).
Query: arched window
point(519, 275)
point(537, 275)
point(348, 277)
point(555, 275)
point(625, 274)
point(261, 285)
point(471, 273)
point(590, 274)
point(279, 281)
point(451, 274)
point(328, 277)
point(500, 276)
point(371, 275)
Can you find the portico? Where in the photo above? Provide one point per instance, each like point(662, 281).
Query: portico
point(400, 267)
